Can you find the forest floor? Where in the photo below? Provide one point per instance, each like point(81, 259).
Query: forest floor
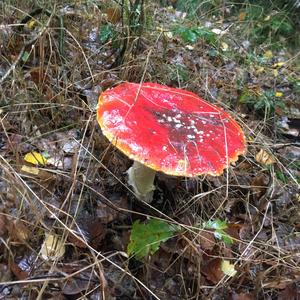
point(66, 212)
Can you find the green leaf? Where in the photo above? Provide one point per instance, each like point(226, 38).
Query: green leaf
point(281, 177)
point(106, 33)
point(206, 34)
point(145, 239)
point(25, 56)
point(191, 35)
point(223, 236)
point(219, 226)
point(188, 35)
point(216, 224)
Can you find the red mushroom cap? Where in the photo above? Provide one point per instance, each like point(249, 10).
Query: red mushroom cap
point(169, 130)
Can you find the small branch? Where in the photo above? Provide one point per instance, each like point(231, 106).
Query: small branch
point(13, 66)
point(29, 43)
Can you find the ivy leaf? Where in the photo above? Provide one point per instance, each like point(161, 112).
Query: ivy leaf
point(145, 239)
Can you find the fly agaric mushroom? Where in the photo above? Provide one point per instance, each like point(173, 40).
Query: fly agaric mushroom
point(169, 130)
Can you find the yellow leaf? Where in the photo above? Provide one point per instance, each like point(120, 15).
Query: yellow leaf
point(228, 268)
point(31, 170)
point(218, 31)
point(224, 46)
point(35, 158)
point(264, 158)
point(279, 64)
point(278, 94)
point(31, 24)
point(267, 18)
point(275, 72)
point(189, 47)
point(168, 34)
point(53, 247)
point(260, 70)
point(268, 54)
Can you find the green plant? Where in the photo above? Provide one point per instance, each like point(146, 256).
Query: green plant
point(178, 73)
point(265, 102)
point(272, 28)
point(295, 84)
point(281, 176)
point(268, 23)
point(108, 33)
point(146, 238)
point(193, 34)
point(196, 8)
point(219, 227)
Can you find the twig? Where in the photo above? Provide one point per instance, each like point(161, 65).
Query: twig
point(29, 43)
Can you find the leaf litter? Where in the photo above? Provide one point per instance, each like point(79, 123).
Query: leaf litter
point(60, 178)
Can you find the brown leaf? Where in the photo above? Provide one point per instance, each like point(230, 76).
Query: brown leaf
point(107, 213)
point(290, 292)
point(263, 157)
point(18, 231)
point(206, 240)
point(90, 230)
point(75, 285)
point(243, 296)
point(259, 185)
point(278, 283)
point(233, 230)
point(3, 224)
point(212, 269)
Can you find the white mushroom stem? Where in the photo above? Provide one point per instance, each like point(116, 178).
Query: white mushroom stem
point(141, 179)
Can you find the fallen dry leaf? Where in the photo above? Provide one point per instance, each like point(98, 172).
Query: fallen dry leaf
point(30, 170)
point(3, 228)
point(268, 54)
point(243, 296)
point(290, 292)
point(53, 247)
point(279, 64)
point(206, 240)
point(228, 268)
point(88, 229)
point(259, 184)
point(264, 158)
point(212, 270)
point(35, 158)
point(18, 231)
point(77, 284)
